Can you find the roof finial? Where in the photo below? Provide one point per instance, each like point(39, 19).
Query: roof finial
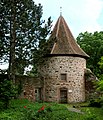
point(60, 11)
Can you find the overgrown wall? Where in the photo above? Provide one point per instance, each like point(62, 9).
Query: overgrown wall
point(29, 85)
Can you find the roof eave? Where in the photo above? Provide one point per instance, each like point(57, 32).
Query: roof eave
point(73, 55)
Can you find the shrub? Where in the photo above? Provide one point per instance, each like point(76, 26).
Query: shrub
point(7, 91)
point(29, 114)
point(1, 105)
point(96, 102)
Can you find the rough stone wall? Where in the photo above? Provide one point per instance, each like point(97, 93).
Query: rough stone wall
point(29, 85)
point(90, 87)
point(73, 67)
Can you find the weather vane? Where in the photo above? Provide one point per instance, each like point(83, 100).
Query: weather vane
point(61, 11)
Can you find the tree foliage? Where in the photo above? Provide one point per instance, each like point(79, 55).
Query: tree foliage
point(100, 83)
point(101, 63)
point(22, 32)
point(92, 44)
point(7, 91)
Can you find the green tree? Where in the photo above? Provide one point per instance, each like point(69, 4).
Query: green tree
point(22, 31)
point(7, 91)
point(101, 63)
point(44, 49)
point(92, 44)
point(100, 84)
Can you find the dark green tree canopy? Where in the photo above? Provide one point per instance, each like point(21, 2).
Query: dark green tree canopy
point(22, 31)
point(100, 83)
point(92, 44)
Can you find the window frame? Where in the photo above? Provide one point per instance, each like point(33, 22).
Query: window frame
point(63, 77)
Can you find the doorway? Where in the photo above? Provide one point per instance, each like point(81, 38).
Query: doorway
point(38, 95)
point(63, 95)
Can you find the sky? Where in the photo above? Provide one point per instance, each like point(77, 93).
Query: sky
point(80, 15)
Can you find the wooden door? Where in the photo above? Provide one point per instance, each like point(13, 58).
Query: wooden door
point(63, 95)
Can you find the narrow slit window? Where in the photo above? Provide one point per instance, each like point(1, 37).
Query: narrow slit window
point(64, 76)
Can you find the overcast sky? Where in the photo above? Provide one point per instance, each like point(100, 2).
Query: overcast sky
point(80, 15)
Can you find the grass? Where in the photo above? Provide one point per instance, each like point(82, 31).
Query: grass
point(59, 111)
point(94, 111)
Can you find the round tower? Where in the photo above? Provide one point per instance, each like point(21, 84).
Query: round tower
point(63, 70)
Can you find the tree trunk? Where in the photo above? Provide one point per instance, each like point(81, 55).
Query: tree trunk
point(12, 45)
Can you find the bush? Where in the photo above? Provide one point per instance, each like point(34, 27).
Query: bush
point(7, 92)
point(29, 114)
point(96, 102)
point(1, 105)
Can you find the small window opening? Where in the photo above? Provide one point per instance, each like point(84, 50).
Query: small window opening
point(64, 76)
point(25, 93)
point(36, 91)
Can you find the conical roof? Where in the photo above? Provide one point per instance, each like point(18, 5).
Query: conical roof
point(65, 44)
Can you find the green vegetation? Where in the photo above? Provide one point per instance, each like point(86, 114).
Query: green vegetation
point(26, 110)
point(100, 84)
point(92, 44)
point(22, 33)
point(7, 92)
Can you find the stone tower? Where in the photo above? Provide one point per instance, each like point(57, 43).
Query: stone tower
point(63, 70)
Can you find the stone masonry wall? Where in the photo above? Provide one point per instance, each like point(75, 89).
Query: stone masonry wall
point(73, 67)
point(30, 87)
